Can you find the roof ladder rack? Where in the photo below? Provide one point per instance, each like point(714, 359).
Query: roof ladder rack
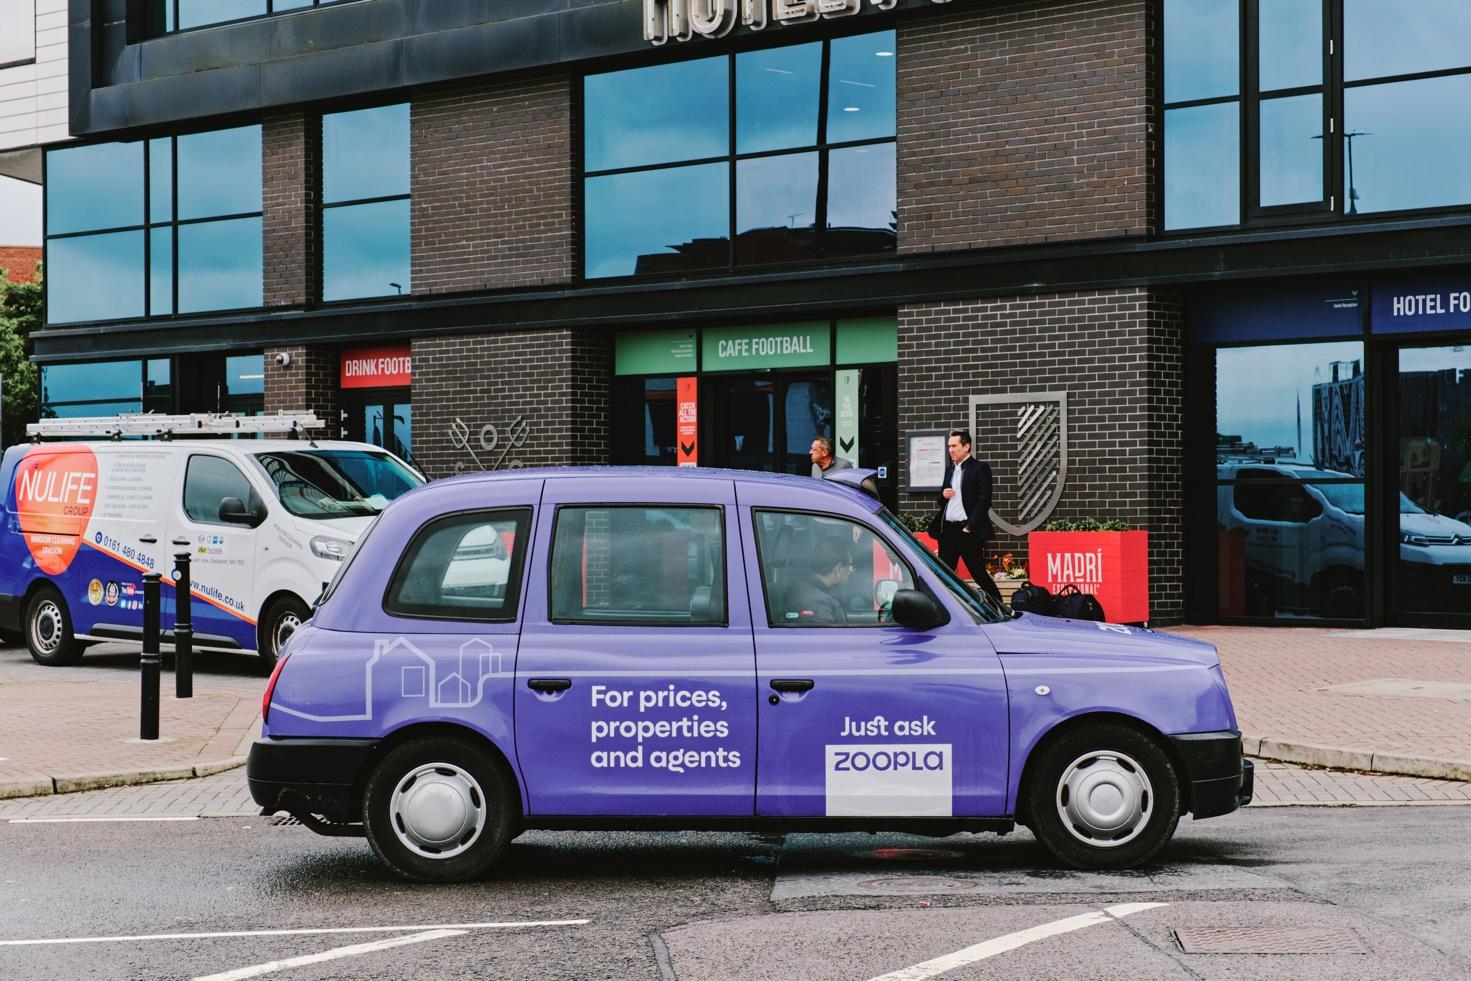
point(293, 424)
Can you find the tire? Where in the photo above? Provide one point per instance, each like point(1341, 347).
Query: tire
point(1104, 796)
point(279, 621)
point(439, 809)
point(48, 630)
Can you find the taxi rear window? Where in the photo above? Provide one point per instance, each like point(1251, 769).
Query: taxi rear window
point(463, 566)
point(638, 565)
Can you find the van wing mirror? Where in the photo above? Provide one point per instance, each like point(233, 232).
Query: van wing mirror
point(233, 511)
point(917, 610)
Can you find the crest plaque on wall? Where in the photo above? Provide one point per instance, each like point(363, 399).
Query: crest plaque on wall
point(1024, 438)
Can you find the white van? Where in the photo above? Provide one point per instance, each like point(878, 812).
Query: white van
point(266, 522)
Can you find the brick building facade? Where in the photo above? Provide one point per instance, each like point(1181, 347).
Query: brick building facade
point(601, 235)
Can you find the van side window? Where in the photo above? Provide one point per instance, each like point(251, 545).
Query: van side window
point(638, 565)
point(821, 571)
point(208, 481)
point(462, 567)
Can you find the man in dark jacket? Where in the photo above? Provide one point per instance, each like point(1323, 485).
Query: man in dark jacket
point(816, 598)
point(963, 524)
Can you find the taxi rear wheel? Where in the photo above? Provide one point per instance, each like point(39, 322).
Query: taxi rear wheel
point(1104, 796)
point(439, 809)
point(49, 630)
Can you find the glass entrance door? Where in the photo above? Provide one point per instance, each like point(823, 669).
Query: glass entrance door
point(384, 418)
point(768, 422)
point(1433, 565)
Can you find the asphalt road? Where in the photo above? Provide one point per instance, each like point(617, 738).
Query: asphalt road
point(1388, 888)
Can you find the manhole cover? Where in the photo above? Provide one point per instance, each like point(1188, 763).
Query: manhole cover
point(916, 854)
point(1269, 940)
point(916, 883)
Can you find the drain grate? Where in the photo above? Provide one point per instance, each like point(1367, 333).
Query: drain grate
point(915, 884)
point(1269, 940)
point(281, 820)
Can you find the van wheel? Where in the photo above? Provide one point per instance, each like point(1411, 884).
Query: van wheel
point(438, 809)
point(277, 624)
point(1104, 797)
point(49, 630)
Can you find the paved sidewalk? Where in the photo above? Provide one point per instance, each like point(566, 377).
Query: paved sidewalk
point(1382, 701)
point(1385, 702)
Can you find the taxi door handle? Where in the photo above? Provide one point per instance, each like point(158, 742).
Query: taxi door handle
point(791, 684)
point(549, 684)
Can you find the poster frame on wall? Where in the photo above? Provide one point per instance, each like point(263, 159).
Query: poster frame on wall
point(925, 445)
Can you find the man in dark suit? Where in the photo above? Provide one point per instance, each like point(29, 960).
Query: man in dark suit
point(963, 524)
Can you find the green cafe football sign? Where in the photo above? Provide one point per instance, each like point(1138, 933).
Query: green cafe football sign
point(683, 19)
point(776, 346)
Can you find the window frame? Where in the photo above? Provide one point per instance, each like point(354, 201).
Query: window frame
point(731, 159)
point(720, 509)
point(170, 225)
point(161, 27)
point(324, 206)
point(755, 510)
point(515, 577)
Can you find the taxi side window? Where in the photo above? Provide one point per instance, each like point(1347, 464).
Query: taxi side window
point(638, 565)
point(462, 567)
point(821, 571)
point(208, 480)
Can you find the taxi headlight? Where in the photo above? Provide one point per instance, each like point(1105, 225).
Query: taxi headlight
point(330, 548)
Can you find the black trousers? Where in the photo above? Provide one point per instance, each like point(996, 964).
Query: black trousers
point(956, 544)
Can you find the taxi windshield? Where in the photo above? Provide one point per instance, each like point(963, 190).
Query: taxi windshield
point(336, 483)
point(985, 609)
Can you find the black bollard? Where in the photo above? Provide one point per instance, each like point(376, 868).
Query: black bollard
point(183, 624)
point(151, 662)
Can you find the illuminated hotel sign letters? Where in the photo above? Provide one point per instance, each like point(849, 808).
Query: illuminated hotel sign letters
point(683, 19)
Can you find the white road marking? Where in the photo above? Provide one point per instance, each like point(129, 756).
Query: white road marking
point(256, 970)
point(100, 820)
point(303, 932)
point(1000, 945)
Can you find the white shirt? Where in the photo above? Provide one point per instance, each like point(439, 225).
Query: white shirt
point(955, 507)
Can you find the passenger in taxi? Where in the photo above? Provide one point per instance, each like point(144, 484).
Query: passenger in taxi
point(817, 597)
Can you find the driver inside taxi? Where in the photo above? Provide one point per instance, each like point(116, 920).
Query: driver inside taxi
point(817, 597)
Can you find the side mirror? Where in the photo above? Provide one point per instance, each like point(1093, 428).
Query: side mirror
point(917, 610)
point(233, 511)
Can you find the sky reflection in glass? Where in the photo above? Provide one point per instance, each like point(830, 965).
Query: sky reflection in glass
point(1291, 51)
point(657, 115)
point(1202, 52)
point(365, 250)
point(1399, 37)
point(220, 265)
point(94, 277)
point(777, 95)
point(1410, 154)
point(1291, 150)
point(651, 213)
point(861, 200)
point(91, 187)
point(861, 88)
point(219, 173)
point(776, 208)
point(365, 153)
point(1202, 166)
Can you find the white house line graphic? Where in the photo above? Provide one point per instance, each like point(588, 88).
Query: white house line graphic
point(477, 659)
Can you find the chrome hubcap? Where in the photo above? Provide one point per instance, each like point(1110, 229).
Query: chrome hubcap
point(285, 627)
point(46, 627)
point(1104, 798)
point(437, 810)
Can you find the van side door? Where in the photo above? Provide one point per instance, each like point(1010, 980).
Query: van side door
point(635, 679)
point(222, 551)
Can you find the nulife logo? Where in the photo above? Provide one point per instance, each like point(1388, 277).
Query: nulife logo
point(68, 488)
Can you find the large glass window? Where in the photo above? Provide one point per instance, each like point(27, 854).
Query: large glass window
point(105, 388)
point(638, 565)
point(183, 15)
point(1290, 467)
point(365, 203)
point(809, 159)
point(1257, 80)
point(170, 225)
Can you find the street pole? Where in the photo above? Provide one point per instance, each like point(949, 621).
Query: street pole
point(183, 623)
point(151, 662)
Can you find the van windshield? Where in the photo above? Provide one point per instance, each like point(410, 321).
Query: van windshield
point(336, 483)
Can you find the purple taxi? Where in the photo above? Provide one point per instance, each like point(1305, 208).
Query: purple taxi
point(698, 649)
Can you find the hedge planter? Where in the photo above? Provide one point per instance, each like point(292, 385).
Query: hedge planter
point(1112, 565)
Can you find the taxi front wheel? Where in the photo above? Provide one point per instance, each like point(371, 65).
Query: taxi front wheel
point(1104, 796)
point(439, 809)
